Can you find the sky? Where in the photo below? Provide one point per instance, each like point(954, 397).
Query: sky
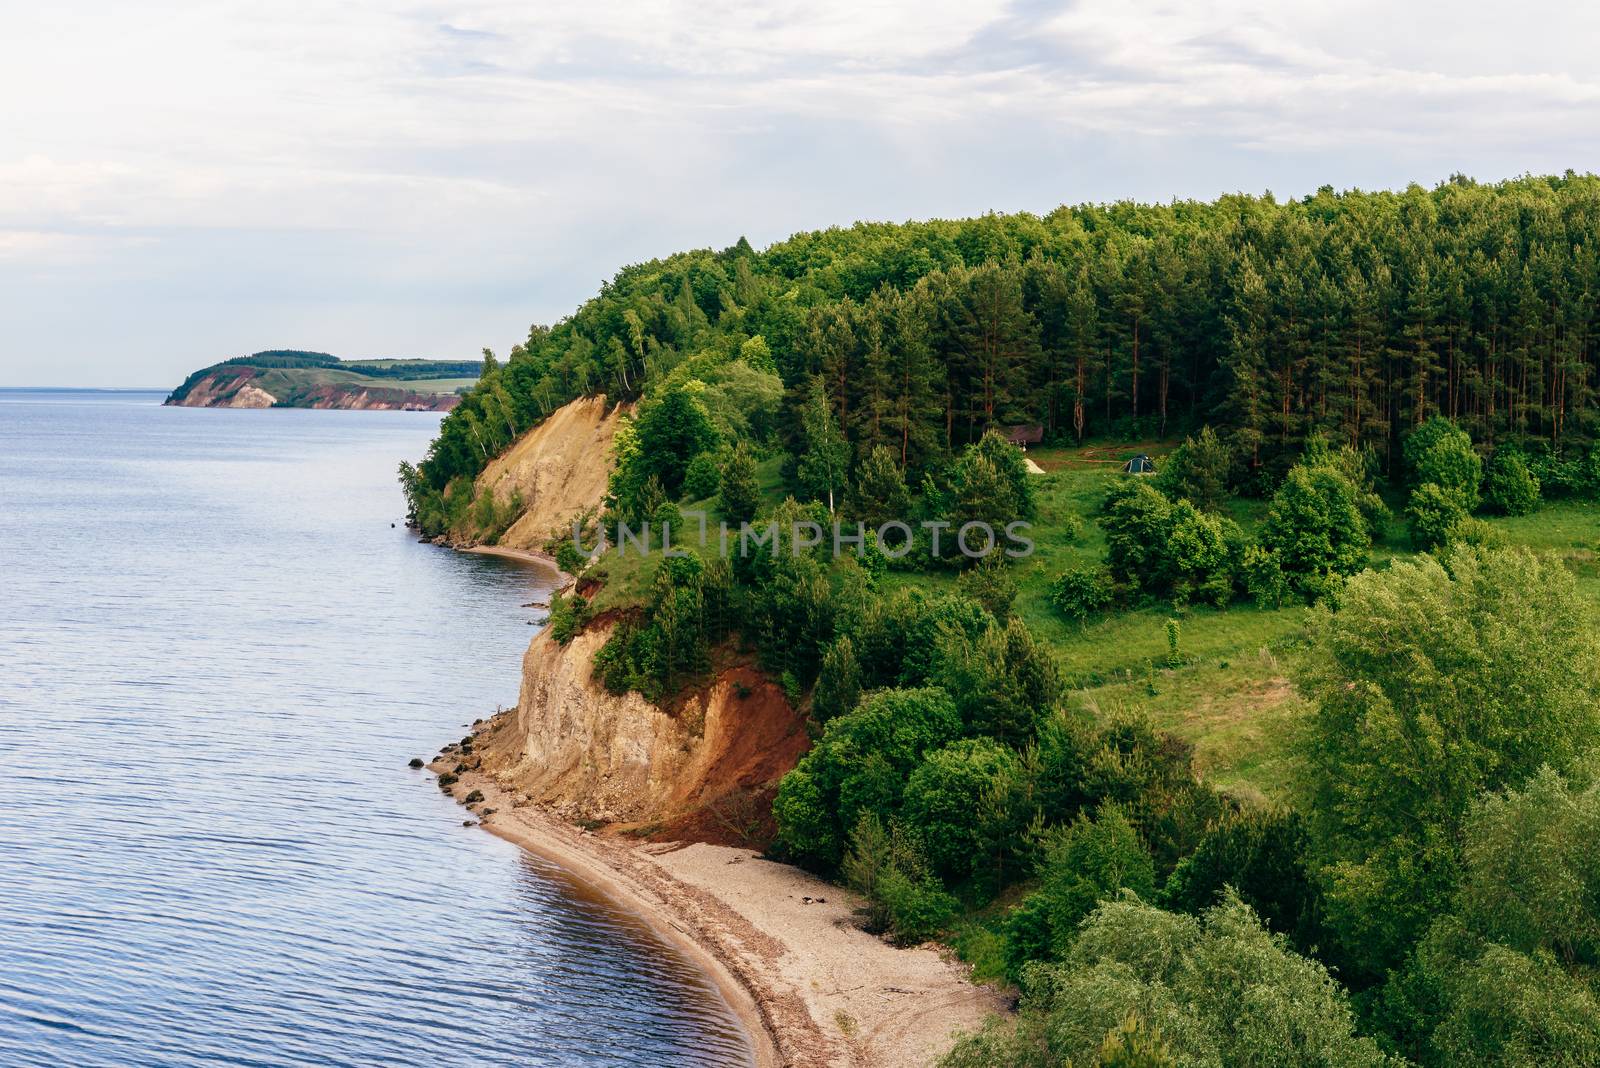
point(184, 182)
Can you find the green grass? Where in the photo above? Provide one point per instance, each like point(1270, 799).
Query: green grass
point(1232, 699)
point(426, 385)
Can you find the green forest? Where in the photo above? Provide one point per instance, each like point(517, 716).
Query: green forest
point(1286, 755)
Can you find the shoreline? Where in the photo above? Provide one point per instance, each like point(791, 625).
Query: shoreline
point(530, 556)
point(783, 948)
point(542, 834)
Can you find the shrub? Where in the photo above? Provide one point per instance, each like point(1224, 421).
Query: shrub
point(947, 804)
point(1563, 476)
point(1198, 557)
point(1264, 579)
point(1435, 516)
point(1080, 592)
point(991, 584)
point(1004, 682)
point(1441, 453)
point(1315, 529)
point(1197, 471)
point(1511, 487)
point(1262, 856)
point(917, 907)
point(702, 478)
point(1218, 990)
point(567, 617)
point(886, 867)
point(860, 764)
point(569, 557)
point(1083, 864)
point(1166, 548)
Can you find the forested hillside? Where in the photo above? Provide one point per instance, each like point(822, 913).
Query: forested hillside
point(1360, 314)
point(1287, 755)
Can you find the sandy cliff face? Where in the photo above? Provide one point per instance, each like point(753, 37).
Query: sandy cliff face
point(560, 467)
point(592, 755)
point(707, 766)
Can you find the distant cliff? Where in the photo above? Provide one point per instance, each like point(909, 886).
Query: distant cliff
point(288, 378)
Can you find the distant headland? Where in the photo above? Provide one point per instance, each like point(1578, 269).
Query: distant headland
point(289, 378)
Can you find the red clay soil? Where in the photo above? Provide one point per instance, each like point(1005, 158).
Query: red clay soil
point(757, 739)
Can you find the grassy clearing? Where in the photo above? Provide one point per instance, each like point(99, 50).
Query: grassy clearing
point(1232, 697)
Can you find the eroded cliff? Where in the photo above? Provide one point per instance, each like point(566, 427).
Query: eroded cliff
point(706, 767)
point(559, 468)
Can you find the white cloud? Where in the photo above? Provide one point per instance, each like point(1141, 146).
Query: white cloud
point(524, 151)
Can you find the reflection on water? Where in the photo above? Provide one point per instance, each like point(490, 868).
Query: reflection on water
point(216, 657)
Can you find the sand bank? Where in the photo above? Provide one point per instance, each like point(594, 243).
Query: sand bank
point(811, 987)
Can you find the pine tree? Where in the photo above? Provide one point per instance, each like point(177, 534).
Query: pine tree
point(824, 452)
point(740, 497)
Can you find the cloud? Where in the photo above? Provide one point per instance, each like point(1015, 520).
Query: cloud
point(507, 156)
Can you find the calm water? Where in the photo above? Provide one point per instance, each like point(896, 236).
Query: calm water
point(216, 657)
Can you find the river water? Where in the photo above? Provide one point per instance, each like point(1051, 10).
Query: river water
point(219, 647)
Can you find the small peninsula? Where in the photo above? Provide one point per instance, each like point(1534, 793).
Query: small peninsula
point(290, 378)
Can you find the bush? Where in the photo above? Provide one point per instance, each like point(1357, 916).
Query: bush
point(859, 765)
point(702, 478)
point(954, 802)
point(1315, 529)
point(1197, 471)
point(991, 584)
point(1441, 453)
point(1085, 863)
point(917, 907)
point(1511, 487)
point(1264, 579)
point(1435, 517)
point(886, 867)
point(1198, 556)
point(1166, 548)
point(1218, 990)
point(1080, 592)
point(569, 557)
point(567, 617)
point(1004, 683)
point(1563, 476)
point(1261, 855)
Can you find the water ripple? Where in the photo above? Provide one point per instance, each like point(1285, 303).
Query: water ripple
point(216, 657)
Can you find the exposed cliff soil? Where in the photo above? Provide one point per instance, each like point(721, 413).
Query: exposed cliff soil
point(596, 756)
point(560, 469)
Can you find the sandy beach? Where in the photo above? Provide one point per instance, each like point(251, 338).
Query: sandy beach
point(811, 987)
point(533, 556)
